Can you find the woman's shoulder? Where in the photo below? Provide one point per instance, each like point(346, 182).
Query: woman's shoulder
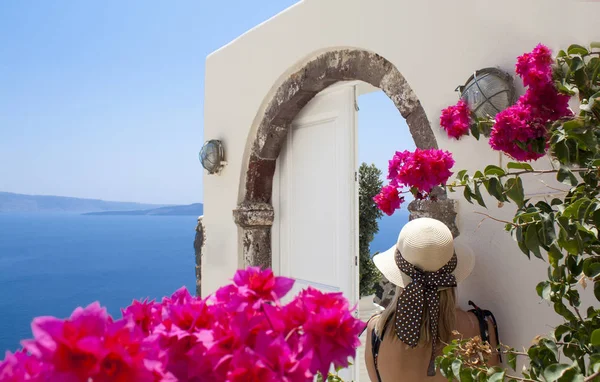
point(466, 323)
point(373, 321)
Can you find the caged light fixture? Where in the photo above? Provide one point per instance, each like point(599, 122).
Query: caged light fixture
point(212, 156)
point(488, 91)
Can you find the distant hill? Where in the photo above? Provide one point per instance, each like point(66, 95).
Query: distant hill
point(11, 202)
point(195, 209)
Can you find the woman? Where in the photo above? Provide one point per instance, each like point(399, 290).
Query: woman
point(404, 340)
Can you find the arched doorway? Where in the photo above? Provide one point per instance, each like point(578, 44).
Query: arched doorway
point(255, 214)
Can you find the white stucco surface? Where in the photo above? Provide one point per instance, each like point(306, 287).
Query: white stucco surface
point(436, 45)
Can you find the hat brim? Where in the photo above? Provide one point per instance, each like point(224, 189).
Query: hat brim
point(386, 263)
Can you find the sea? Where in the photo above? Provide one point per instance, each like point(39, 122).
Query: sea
point(52, 263)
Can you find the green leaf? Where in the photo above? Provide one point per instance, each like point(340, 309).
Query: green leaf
point(566, 176)
point(494, 188)
point(532, 242)
point(468, 195)
point(543, 290)
point(493, 170)
point(497, 377)
point(591, 267)
point(456, 368)
point(596, 337)
point(555, 371)
point(577, 49)
point(512, 360)
point(514, 190)
point(524, 249)
point(554, 254)
point(478, 196)
point(519, 166)
point(551, 345)
point(466, 376)
point(576, 65)
point(562, 152)
point(474, 130)
point(560, 331)
point(561, 309)
point(572, 375)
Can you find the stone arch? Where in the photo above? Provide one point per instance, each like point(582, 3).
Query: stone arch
point(255, 214)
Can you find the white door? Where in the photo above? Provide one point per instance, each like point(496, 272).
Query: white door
point(315, 197)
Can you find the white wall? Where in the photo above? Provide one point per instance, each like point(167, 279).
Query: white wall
point(436, 45)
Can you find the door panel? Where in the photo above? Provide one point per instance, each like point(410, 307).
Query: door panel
point(315, 196)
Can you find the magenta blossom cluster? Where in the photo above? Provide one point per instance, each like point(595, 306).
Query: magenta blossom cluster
point(419, 171)
point(241, 333)
point(518, 127)
point(521, 130)
point(456, 119)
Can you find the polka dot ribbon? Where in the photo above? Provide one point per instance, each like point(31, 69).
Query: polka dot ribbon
point(423, 291)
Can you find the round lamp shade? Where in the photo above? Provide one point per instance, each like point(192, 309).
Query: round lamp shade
point(212, 156)
point(488, 91)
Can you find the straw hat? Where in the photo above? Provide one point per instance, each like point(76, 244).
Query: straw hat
point(427, 244)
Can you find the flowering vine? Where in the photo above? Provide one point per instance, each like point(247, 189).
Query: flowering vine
point(241, 333)
point(520, 130)
point(563, 231)
point(417, 172)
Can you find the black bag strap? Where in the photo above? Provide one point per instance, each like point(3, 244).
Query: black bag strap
point(482, 316)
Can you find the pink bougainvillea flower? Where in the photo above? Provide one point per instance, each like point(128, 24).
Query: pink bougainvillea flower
point(456, 120)
point(247, 366)
point(331, 330)
point(280, 359)
point(188, 317)
point(74, 346)
point(394, 168)
point(546, 103)
point(424, 169)
point(263, 283)
point(146, 314)
point(522, 129)
point(420, 171)
point(535, 68)
point(90, 344)
point(126, 355)
point(242, 333)
point(313, 300)
point(388, 200)
point(20, 367)
point(181, 296)
point(515, 125)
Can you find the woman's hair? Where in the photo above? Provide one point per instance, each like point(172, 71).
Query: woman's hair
point(447, 319)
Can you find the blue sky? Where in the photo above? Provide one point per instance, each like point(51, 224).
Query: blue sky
point(105, 99)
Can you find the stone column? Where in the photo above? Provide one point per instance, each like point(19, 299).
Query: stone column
point(198, 245)
point(441, 208)
point(256, 220)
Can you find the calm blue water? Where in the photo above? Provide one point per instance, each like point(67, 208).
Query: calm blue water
point(389, 229)
point(52, 263)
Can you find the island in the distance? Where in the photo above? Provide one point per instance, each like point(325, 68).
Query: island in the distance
point(195, 209)
point(21, 203)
